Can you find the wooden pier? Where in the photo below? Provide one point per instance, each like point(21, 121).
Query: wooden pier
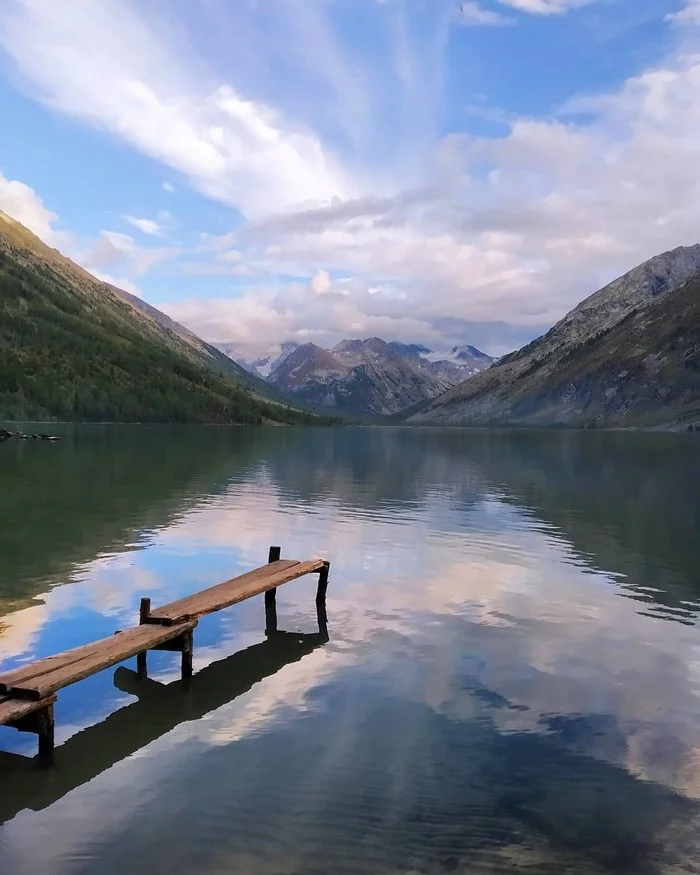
point(158, 709)
point(28, 693)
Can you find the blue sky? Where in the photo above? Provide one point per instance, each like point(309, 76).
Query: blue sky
point(424, 170)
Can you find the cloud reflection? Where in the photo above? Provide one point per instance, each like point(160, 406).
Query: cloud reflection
point(449, 598)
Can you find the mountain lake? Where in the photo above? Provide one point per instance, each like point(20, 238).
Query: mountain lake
point(510, 680)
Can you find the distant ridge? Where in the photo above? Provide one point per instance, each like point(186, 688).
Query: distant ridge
point(366, 378)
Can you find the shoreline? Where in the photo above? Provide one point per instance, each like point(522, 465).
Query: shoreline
point(689, 428)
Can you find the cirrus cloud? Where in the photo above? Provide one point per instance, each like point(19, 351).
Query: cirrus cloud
point(545, 7)
point(472, 13)
point(345, 177)
point(102, 62)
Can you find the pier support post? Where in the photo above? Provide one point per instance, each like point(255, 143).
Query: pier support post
point(184, 645)
point(41, 723)
point(144, 611)
point(142, 664)
point(323, 582)
point(322, 618)
point(270, 616)
point(187, 653)
point(271, 594)
point(142, 658)
point(45, 728)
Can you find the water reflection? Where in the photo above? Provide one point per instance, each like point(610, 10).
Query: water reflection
point(512, 681)
point(626, 502)
point(100, 490)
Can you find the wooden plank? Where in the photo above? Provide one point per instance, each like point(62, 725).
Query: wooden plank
point(50, 663)
point(16, 709)
point(213, 591)
point(114, 650)
point(233, 591)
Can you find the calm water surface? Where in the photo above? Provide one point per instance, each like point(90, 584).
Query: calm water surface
point(511, 680)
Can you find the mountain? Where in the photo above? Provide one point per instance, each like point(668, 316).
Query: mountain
point(79, 349)
point(255, 362)
point(456, 364)
point(364, 377)
point(627, 355)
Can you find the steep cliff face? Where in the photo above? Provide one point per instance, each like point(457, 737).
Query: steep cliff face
point(624, 356)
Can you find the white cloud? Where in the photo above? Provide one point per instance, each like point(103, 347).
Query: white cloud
point(23, 204)
point(321, 283)
point(473, 13)
point(147, 226)
point(231, 256)
point(112, 248)
point(689, 14)
point(101, 62)
point(545, 7)
point(169, 187)
point(109, 248)
point(567, 206)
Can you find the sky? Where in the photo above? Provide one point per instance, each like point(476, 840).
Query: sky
point(310, 170)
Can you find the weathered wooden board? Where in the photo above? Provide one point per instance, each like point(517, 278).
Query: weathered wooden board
point(16, 709)
point(50, 663)
point(233, 591)
point(112, 651)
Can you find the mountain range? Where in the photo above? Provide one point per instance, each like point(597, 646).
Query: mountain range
point(629, 355)
point(76, 348)
point(362, 377)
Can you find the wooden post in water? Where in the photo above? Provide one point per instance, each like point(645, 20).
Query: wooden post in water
point(45, 730)
point(142, 658)
point(270, 616)
point(323, 582)
point(187, 653)
point(40, 723)
point(271, 594)
point(322, 618)
point(144, 611)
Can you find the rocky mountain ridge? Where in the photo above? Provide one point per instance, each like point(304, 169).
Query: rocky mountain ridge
point(362, 377)
point(364, 381)
point(625, 355)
